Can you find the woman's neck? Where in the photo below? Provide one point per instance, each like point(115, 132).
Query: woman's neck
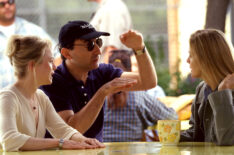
point(212, 84)
point(26, 87)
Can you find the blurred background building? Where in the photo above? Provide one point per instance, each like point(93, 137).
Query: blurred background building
point(149, 17)
point(166, 25)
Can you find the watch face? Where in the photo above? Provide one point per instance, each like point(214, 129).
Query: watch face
point(139, 52)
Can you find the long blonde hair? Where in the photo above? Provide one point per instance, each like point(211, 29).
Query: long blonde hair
point(214, 54)
point(22, 49)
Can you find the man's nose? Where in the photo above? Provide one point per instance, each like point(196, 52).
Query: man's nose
point(6, 5)
point(97, 49)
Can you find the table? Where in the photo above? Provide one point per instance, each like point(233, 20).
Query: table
point(140, 148)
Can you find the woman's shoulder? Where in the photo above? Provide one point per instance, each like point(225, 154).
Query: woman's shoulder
point(9, 91)
point(9, 97)
point(200, 91)
point(201, 86)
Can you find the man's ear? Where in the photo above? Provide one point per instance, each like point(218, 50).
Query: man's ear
point(66, 53)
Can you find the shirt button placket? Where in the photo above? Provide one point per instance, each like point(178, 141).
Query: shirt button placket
point(85, 94)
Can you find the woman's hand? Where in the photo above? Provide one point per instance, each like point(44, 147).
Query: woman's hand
point(72, 145)
point(93, 142)
point(87, 142)
point(227, 83)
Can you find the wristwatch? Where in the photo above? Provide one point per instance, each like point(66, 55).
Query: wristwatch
point(139, 52)
point(61, 141)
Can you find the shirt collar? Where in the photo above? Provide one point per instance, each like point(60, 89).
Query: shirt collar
point(208, 91)
point(67, 75)
point(103, 2)
point(19, 24)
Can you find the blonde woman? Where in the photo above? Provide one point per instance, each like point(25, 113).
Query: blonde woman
point(210, 58)
point(25, 111)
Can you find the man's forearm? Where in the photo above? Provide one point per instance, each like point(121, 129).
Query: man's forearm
point(147, 72)
point(83, 119)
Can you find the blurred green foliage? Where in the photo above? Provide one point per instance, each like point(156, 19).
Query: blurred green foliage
point(185, 85)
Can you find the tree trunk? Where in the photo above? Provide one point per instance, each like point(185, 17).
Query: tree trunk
point(216, 14)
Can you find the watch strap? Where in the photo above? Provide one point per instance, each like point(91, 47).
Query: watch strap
point(61, 141)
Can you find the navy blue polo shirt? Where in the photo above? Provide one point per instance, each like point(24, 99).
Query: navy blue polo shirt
point(67, 93)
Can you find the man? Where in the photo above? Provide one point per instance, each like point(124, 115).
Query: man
point(127, 114)
point(80, 84)
point(9, 25)
point(112, 16)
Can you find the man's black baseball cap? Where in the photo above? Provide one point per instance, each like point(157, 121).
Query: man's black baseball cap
point(77, 29)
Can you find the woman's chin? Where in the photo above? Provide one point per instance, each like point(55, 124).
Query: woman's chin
point(194, 76)
point(48, 82)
